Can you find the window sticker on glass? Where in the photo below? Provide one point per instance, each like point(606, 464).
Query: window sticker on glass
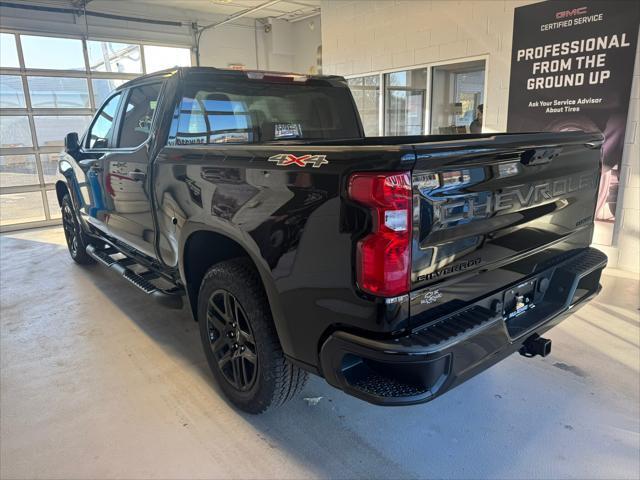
point(287, 130)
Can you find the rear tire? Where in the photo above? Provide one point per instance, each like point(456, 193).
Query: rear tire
point(77, 241)
point(240, 340)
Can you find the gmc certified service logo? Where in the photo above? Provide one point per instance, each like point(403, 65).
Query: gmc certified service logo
point(571, 13)
point(286, 159)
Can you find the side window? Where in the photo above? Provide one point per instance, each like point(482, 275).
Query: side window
point(100, 131)
point(138, 115)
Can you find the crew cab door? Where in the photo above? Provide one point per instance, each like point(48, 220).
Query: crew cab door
point(91, 158)
point(127, 185)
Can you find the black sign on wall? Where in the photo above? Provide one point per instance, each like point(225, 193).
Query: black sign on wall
point(571, 69)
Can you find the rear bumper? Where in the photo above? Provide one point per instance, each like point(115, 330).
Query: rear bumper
point(434, 358)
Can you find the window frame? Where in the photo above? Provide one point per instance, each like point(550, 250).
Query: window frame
point(23, 107)
point(24, 59)
point(86, 136)
point(362, 89)
point(431, 96)
point(18, 54)
point(387, 89)
point(122, 112)
point(61, 109)
point(428, 98)
point(143, 68)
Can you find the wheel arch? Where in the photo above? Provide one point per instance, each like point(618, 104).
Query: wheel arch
point(61, 191)
point(204, 247)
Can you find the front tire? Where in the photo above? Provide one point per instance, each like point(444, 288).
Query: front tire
point(76, 239)
point(240, 341)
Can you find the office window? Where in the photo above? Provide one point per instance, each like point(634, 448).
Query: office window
point(18, 170)
point(15, 131)
point(457, 94)
point(55, 103)
point(114, 57)
point(52, 53)
point(405, 97)
point(51, 129)
point(52, 201)
point(103, 87)
point(49, 162)
point(11, 92)
point(21, 207)
point(58, 92)
point(158, 58)
point(8, 51)
point(366, 93)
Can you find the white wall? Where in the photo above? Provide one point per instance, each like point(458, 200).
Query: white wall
point(360, 37)
point(245, 42)
point(287, 47)
point(308, 37)
point(230, 44)
point(368, 36)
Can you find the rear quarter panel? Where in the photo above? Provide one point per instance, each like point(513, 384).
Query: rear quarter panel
point(292, 222)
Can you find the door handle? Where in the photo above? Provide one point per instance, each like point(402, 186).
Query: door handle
point(137, 175)
point(90, 163)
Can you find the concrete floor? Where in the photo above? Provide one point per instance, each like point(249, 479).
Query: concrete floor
point(97, 381)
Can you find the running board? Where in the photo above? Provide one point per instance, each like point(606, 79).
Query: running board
point(171, 298)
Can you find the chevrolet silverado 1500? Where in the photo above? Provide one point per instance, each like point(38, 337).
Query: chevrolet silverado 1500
point(394, 267)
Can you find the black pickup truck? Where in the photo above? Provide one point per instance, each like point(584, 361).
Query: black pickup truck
point(394, 267)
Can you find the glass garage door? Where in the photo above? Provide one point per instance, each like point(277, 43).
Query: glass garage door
point(50, 86)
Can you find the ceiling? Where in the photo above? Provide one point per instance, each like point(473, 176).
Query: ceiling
point(285, 9)
point(291, 10)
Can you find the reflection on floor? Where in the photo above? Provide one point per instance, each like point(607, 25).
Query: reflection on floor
point(97, 382)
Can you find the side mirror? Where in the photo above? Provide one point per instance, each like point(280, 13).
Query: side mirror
point(71, 142)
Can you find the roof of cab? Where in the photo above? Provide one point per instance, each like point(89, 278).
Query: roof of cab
point(226, 72)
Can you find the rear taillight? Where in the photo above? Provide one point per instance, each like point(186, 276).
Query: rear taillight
point(383, 257)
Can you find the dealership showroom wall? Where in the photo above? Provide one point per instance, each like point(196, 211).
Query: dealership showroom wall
point(98, 380)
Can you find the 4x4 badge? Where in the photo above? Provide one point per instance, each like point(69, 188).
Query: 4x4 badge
point(284, 159)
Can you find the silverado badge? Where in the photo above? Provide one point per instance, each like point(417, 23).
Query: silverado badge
point(284, 159)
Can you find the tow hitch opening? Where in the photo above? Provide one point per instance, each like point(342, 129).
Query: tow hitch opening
point(535, 345)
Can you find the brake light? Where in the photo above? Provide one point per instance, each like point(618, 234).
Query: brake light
point(276, 77)
point(383, 257)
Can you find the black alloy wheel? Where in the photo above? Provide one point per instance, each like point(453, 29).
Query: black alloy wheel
point(231, 340)
point(70, 230)
point(240, 339)
point(77, 240)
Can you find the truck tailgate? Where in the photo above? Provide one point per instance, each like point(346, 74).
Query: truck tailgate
point(488, 211)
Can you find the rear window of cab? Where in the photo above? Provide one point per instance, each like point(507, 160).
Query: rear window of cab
point(259, 112)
